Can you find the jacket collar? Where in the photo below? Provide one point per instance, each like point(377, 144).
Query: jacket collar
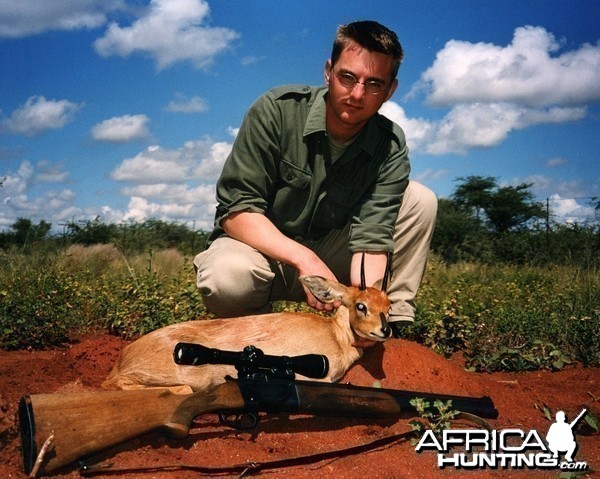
point(368, 139)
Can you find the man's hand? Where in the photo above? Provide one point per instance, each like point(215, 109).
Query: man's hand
point(258, 231)
point(311, 265)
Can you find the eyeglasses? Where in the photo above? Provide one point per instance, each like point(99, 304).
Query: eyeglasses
point(349, 81)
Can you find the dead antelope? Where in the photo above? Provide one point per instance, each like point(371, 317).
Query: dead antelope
point(148, 361)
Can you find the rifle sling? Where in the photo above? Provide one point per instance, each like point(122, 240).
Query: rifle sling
point(251, 467)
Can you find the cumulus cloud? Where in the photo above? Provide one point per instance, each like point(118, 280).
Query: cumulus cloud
point(484, 125)
point(173, 183)
point(557, 162)
point(568, 210)
point(23, 18)
point(196, 160)
point(39, 115)
point(474, 125)
point(167, 203)
point(491, 91)
point(51, 172)
point(17, 202)
point(183, 104)
point(170, 31)
point(122, 129)
point(530, 71)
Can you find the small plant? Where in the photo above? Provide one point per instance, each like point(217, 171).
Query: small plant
point(436, 418)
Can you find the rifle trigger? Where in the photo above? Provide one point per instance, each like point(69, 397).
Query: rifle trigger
point(245, 420)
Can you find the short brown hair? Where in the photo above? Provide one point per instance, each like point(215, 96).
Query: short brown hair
point(370, 35)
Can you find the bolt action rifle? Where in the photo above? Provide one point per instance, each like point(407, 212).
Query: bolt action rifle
point(80, 424)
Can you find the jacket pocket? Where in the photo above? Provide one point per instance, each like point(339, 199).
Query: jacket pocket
point(294, 176)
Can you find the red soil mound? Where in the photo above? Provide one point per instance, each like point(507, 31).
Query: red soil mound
point(397, 364)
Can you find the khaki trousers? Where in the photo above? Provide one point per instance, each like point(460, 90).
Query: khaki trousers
point(237, 280)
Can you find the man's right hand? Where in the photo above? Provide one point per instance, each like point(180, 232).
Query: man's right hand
point(258, 231)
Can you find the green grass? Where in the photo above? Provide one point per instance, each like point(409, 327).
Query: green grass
point(510, 317)
point(500, 317)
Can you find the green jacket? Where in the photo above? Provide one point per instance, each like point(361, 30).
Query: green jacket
point(281, 166)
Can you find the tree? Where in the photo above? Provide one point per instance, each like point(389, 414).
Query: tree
point(25, 232)
point(474, 193)
point(458, 235)
point(504, 208)
point(512, 207)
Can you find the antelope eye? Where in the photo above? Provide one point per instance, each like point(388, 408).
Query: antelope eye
point(361, 308)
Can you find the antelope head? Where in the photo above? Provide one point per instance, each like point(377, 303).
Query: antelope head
point(368, 307)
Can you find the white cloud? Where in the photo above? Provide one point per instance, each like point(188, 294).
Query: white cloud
point(251, 59)
point(51, 204)
point(492, 91)
point(173, 184)
point(557, 162)
point(183, 104)
point(122, 129)
point(39, 115)
point(51, 172)
point(196, 160)
point(474, 125)
point(529, 71)
point(418, 131)
point(26, 17)
point(170, 31)
point(568, 210)
point(153, 165)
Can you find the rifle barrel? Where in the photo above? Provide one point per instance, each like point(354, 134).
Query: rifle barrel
point(360, 401)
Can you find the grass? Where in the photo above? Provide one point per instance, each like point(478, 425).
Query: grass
point(501, 317)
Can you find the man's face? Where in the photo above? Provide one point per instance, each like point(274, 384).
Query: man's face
point(352, 107)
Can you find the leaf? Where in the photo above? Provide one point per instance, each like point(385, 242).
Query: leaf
point(592, 421)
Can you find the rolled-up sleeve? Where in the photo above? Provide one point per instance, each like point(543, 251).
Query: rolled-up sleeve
point(373, 221)
point(250, 171)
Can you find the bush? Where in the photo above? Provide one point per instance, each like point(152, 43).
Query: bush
point(44, 309)
point(510, 318)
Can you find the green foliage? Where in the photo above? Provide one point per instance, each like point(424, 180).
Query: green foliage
point(501, 208)
point(45, 300)
point(510, 318)
point(486, 223)
point(137, 237)
point(131, 238)
point(40, 308)
point(436, 417)
point(517, 300)
point(149, 301)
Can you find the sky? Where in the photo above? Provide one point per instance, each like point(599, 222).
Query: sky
point(125, 110)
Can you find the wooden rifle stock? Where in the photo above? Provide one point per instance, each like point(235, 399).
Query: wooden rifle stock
point(86, 423)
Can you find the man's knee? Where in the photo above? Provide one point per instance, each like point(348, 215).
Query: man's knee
point(233, 280)
point(421, 201)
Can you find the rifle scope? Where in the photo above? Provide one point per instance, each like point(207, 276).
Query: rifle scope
point(252, 359)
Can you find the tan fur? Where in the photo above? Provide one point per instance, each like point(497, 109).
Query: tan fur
point(148, 362)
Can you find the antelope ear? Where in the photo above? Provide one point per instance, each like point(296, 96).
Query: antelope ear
point(324, 290)
point(377, 284)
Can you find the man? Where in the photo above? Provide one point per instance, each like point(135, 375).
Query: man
point(316, 177)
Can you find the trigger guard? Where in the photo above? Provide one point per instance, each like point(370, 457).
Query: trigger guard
point(245, 420)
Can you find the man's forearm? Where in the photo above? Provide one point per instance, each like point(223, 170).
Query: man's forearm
point(258, 231)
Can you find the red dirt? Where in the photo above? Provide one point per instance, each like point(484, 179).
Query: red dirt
point(398, 364)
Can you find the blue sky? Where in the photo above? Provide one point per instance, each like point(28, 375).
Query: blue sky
point(126, 109)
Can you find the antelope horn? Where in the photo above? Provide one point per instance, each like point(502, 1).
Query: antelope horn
point(363, 282)
point(388, 272)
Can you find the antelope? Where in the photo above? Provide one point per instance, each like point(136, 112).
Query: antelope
point(148, 361)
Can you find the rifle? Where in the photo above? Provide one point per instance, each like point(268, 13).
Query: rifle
point(80, 424)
